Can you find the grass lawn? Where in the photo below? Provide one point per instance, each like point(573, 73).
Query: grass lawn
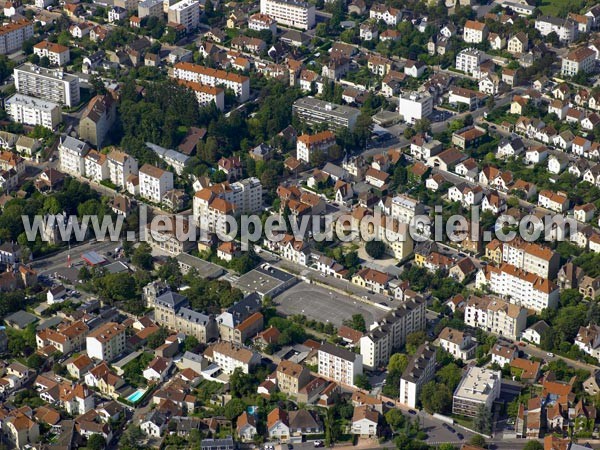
point(551, 7)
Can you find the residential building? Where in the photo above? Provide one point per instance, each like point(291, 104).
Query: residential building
point(339, 364)
point(291, 377)
point(474, 32)
point(588, 340)
point(391, 16)
point(291, 13)
point(33, 111)
point(97, 119)
point(206, 94)
point(420, 370)
point(478, 387)
point(186, 13)
point(469, 59)
point(307, 144)
point(49, 84)
point(536, 332)
point(230, 357)
point(495, 316)
point(71, 154)
point(57, 54)
point(459, 344)
point(213, 77)
point(278, 424)
point(415, 106)
point(365, 421)
point(259, 22)
point(566, 29)
point(531, 257)
point(106, 342)
point(120, 167)
point(554, 201)
point(582, 59)
point(14, 34)
point(314, 111)
point(150, 8)
point(154, 182)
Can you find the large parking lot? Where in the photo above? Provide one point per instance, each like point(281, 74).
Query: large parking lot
point(319, 303)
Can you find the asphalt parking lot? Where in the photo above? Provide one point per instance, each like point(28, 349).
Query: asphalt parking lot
point(318, 303)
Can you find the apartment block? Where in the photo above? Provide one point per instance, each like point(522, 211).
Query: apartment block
point(314, 111)
point(339, 364)
point(531, 257)
point(106, 342)
point(389, 333)
point(496, 316)
point(49, 84)
point(120, 167)
point(14, 34)
point(566, 29)
point(186, 13)
point(57, 54)
point(71, 154)
point(96, 166)
point(415, 106)
point(582, 59)
point(150, 8)
point(154, 182)
point(33, 111)
point(404, 208)
point(291, 13)
point(291, 377)
point(259, 22)
point(213, 77)
point(307, 144)
point(478, 387)
point(206, 94)
point(469, 59)
point(230, 357)
point(474, 32)
point(420, 370)
point(522, 288)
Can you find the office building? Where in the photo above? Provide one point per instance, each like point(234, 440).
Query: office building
point(33, 111)
point(53, 85)
point(314, 111)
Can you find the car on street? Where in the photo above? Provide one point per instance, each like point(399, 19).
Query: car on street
point(412, 412)
point(550, 355)
point(318, 444)
point(460, 436)
point(290, 447)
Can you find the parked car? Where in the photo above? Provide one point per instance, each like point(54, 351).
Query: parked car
point(318, 444)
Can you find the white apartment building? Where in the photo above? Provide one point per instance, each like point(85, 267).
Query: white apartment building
point(150, 8)
point(207, 94)
point(33, 111)
point(474, 32)
point(259, 22)
point(154, 182)
point(307, 144)
point(241, 197)
point(531, 257)
point(14, 34)
point(458, 343)
point(390, 332)
point(186, 13)
point(57, 54)
point(469, 59)
point(495, 316)
point(291, 13)
point(404, 208)
point(96, 166)
point(213, 77)
point(566, 29)
point(521, 288)
point(71, 154)
point(43, 4)
point(478, 387)
point(339, 364)
point(588, 340)
point(420, 370)
point(229, 357)
point(49, 84)
point(415, 106)
point(106, 342)
point(582, 59)
point(120, 167)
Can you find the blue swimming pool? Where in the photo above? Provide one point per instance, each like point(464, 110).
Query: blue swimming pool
point(136, 396)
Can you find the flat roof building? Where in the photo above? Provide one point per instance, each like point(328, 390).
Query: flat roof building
point(479, 386)
point(314, 111)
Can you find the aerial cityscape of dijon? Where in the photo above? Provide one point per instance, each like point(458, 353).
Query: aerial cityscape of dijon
point(300, 224)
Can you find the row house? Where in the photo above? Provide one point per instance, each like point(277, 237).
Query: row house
point(531, 257)
point(372, 280)
point(554, 201)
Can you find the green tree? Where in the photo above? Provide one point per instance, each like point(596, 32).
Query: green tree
point(357, 322)
point(397, 363)
point(395, 419)
point(436, 398)
point(190, 343)
point(533, 445)
point(157, 339)
point(375, 249)
point(414, 340)
point(478, 441)
point(96, 442)
point(362, 381)
point(142, 256)
point(483, 420)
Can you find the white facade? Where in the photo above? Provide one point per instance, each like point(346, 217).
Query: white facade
point(339, 364)
point(50, 84)
point(71, 153)
point(291, 13)
point(478, 387)
point(564, 28)
point(495, 316)
point(186, 13)
point(57, 54)
point(120, 167)
point(13, 35)
point(213, 77)
point(33, 111)
point(420, 370)
point(154, 182)
point(106, 342)
point(468, 60)
point(581, 60)
point(415, 106)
